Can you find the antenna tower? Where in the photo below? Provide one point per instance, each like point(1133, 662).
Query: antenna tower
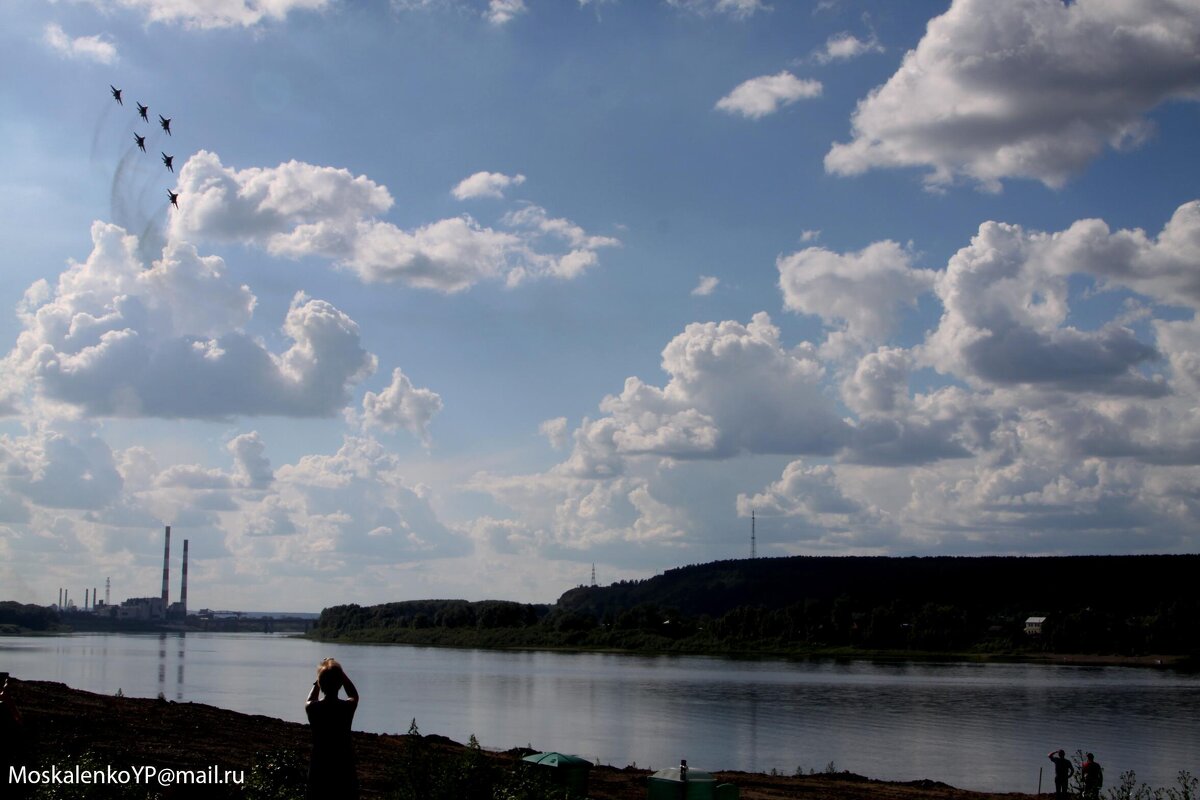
point(753, 540)
point(593, 573)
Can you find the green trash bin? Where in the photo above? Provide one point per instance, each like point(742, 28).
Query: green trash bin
point(668, 784)
point(570, 772)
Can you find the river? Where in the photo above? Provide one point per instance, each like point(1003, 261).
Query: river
point(975, 726)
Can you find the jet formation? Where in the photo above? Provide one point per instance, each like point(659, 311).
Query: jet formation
point(164, 123)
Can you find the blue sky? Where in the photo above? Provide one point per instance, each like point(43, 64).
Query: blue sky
point(462, 297)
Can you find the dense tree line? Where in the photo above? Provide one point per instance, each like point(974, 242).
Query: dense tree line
point(19, 616)
point(1097, 605)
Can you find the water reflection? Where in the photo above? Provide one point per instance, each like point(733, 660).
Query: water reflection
point(975, 726)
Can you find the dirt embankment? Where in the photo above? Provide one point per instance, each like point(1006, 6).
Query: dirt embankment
point(62, 724)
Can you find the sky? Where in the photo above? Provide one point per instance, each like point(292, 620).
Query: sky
point(462, 298)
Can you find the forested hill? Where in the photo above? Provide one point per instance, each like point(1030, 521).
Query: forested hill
point(1018, 585)
point(1112, 605)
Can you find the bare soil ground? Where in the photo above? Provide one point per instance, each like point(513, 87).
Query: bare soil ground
point(61, 724)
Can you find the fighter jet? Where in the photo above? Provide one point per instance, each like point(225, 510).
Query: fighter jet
point(174, 198)
point(167, 160)
point(116, 93)
point(165, 123)
point(142, 111)
point(141, 142)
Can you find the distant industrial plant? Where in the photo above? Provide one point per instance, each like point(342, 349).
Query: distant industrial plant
point(136, 609)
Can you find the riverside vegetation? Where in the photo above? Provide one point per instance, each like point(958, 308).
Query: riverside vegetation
point(1119, 606)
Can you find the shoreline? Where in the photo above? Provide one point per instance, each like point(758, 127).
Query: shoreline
point(1154, 661)
point(64, 726)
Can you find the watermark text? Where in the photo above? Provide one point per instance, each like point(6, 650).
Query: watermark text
point(145, 775)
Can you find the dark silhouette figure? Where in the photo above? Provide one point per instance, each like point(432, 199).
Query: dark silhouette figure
point(142, 111)
point(168, 160)
point(165, 124)
point(1093, 777)
point(331, 771)
point(116, 93)
point(141, 142)
point(1063, 770)
point(174, 198)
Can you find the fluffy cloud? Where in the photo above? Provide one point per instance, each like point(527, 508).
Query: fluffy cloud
point(87, 48)
point(59, 469)
point(738, 9)
point(863, 292)
point(116, 339)
point(555, 431)
point(1025, 89)
point(765, 95)
point(297, 210)
point(500, 12)
point(252, 469)
point(1006, 307)
point(485, 184)
point(733, 388)
point(845, 46)
point(564, 517)
point(341, 509)
point(707, 285)
point(811, 495)
point(216, 13)
point(402, 405)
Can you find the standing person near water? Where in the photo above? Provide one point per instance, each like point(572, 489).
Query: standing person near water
point(1093, 777)
point(1063, 770)
point(331, 772)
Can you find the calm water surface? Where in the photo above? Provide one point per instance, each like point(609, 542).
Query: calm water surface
point(979, 726)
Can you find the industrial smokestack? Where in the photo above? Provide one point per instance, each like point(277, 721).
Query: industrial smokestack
point(60, 605)
point(183, 591)
point(85, 599)
point(166, 569)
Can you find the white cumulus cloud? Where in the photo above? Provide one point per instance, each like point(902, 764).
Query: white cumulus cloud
point(114, 338)
point(485, 184)
point(706, 286)
point(500, 12)
point(864, 292)
point(738, 9)
point(215, 13)
point(846, 46)
point(1025, 89)
point(759, 97)
point(86, 48)
point(297, 210)
point(402, 405)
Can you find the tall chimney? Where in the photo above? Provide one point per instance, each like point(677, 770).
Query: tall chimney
point(85, 599)
point(183, 591)
point(60, 603)
point(166, 569)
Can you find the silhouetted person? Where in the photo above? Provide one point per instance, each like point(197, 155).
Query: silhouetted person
point(1093, 777)
point(1063, 770)
point(331, 772)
